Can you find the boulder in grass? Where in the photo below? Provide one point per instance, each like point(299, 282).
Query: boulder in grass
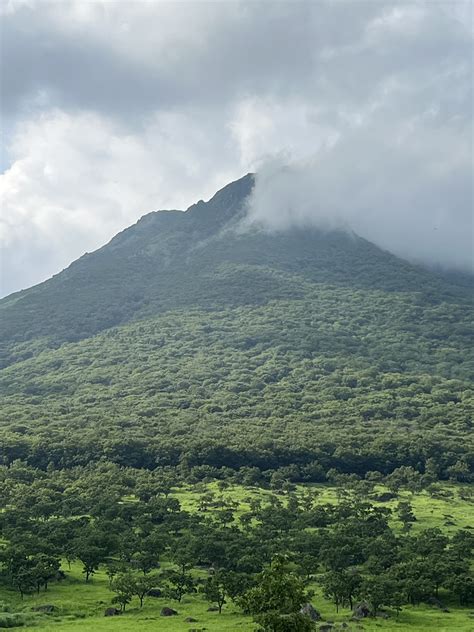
point(168, 612)
point(47, 608)
point(362, 610)
point(154, 592)
point(112, 612)
point(385, 497)
point(310, 611)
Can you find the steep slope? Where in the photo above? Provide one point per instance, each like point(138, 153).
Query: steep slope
point(199, 258)
point(109, 286)
point(186, 341)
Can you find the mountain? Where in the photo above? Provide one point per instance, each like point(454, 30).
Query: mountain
point(200, 258)
point(193, 339)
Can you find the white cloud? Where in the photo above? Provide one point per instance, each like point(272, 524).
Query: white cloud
point(409, 192)
point(263, 128)
point(77, 180)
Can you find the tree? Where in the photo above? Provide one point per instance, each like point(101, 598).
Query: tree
point(124, 588)
point(92, 547)
point(141, 585)
point(380, 591)
point(405, 514)
point(224, 516)
point(91, 558)
point(246, 521)
point(333, 588)
point(24, 580)
point(404, 476)
point(181, 583)
point(215, 589)
point(69, 551)
point(460, 471)
point(308, 564)
point(414, 580)
point(431, 542)
point(431, 471)
point(462, 544)
point(278, 480)
point(206, 501)
point(236, 584)
point(147, 558)
point(341, 586)
point(112, 570)
point(127, 546)
point(184, 553)
point(45, 568)
point(463, 587)
point(440, 569)
point(276, 599)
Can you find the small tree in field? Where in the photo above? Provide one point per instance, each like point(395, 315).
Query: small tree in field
point(180, 584)
point(123, 586)
point(24, 580)
point(381, 591)
point(405, 514)
point(215, 589)
point(141, 586)
point(341, 586)
point(276, 599)
point(45, 568)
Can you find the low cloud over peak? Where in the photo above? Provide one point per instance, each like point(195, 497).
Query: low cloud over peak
point(410, 192)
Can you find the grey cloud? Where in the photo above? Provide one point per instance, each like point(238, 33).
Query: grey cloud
point(410, 193)
point(331, 52)
point(111, 109)
point(53, 69)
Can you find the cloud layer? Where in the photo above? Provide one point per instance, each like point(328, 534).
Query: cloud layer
point(410, 192)
point(357, 113)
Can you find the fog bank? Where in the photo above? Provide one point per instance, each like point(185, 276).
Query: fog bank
point(410, 192)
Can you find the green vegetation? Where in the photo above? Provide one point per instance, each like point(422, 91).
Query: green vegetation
point(240, 421)
point(329, 381)
point(214, 538)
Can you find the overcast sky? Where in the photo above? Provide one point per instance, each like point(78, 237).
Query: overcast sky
point(354, 113)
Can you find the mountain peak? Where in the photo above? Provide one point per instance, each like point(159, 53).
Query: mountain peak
point(226, 203)
point(238, 189)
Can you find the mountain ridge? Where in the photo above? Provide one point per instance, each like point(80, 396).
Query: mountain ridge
point(173, 258)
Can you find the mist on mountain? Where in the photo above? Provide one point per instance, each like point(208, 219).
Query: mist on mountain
point(410, 194)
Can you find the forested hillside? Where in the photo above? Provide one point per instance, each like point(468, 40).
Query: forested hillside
point(188, 340)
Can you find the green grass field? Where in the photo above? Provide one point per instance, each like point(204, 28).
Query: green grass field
point(80, 605)
point(449, 514)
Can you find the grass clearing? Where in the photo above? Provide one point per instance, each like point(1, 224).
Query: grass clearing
point(80, 605)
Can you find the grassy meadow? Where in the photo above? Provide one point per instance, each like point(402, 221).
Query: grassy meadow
point(449, 513)
point(80, 606)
